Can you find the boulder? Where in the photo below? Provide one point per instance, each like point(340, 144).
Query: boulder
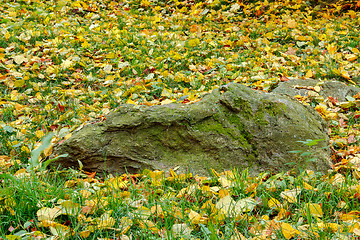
point(234, 126)
point(334, 89)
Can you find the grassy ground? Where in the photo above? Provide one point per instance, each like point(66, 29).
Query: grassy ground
point(63, 63)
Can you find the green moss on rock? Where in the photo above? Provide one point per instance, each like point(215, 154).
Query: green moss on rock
point(234, 126)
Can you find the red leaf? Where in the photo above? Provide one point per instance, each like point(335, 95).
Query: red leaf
point(351, 138)
point(11, 228)
point(86, 209)
point(333, 100)
point(61, 108)
point(91, 175)
point(284, 79)
point(54, 127)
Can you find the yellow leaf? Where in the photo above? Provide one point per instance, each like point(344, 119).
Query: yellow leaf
point(356, 51)
point(194, 217)
point(181, 230)
point(224, 182)
point(85, 193)
point(351, 57)
point(147, 224)
point(19, 59)
point(145, 3)
point(194, 42)
point(223, 193)
point(337, 180)
point(7, 35)
point(60, 230)
point(156, 177)
point(12, 237)
point(317, 88)
point(290, 195)
point(129, 101)
point(333, 227)
point(274, 203)
point(307, 186)
point(69, 207)
point(288, 231)
point(117, 183)
point(111, 55)
point(345, 74)
point(166, 93)
point(245, 205)
point(12, 14)
point(157, 211)
point(85, 233)
point(314, 209)
point(195, 28)
point(46, 213)
point(309, 74)
point(25, 149)
point(332, 48)
point(105, 221)
point(125, 224)
point(66, 64)
point(301, 38)
point(291, 23)
point(19, 83)
point(85, 44)
point(39, 134)
point(143, 212)
point(167, 101)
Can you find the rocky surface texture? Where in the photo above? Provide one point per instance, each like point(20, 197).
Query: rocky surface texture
point(234, 126)
point(305, 87)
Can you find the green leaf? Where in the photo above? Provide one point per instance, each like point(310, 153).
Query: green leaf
point(35, 154)
point(47, 162)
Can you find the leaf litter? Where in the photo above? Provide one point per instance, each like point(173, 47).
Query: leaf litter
point(63, 63)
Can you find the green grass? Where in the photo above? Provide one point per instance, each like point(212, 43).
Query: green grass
point(63, 63)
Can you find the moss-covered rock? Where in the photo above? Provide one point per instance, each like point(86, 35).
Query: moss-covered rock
point(305, 87)
point(234, 126)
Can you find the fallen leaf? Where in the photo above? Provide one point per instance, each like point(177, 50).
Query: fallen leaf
point(314, 209)
point(181, 230)
point(288, 231)
point(46, 213)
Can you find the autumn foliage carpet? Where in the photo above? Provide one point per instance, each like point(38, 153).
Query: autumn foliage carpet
point(63, 63)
